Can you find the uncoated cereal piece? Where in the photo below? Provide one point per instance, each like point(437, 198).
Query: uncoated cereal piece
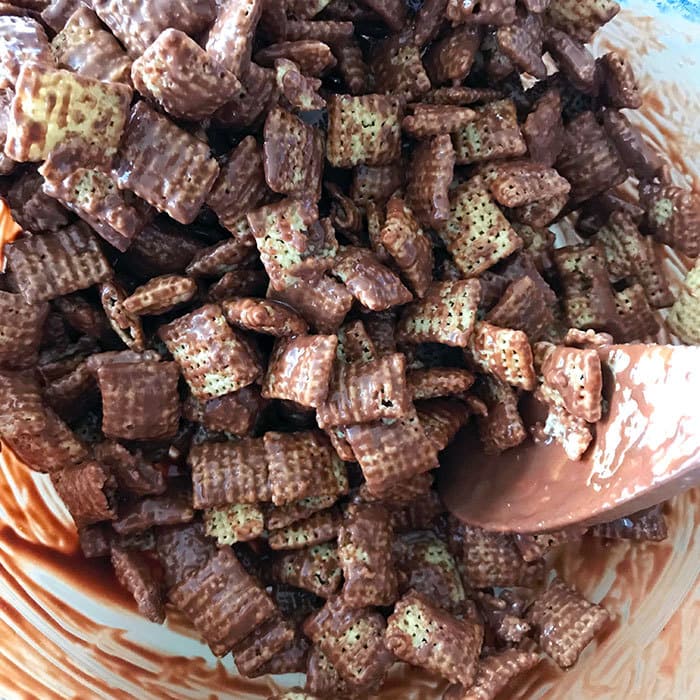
point(565, 622)
point(137, 25)
point(684, 317)
point(237, 522)
point(300, 369)
point(139, 400)
point(264, 316)
point(88, 492)
point(56, 264)
point(363, 392)
point(223, 602)
point(300, 91)
point(56, 108)
point(430, 176)
point(21, 327)
point(522, 307)
point(353, 642)
point(160, 294)
point(374, 285)
point(315, 569)
point(426, 636)
point(581, 18)
point(363, 130)
point(504, 353)
point(301, 465)
point(133, 571)
point(493, 674)
point(426, 566)
point(214, 358)
point(22, 40)
point(32, 430)
point(324, 303)
point(491, 559)
point(128, 327)
point(521, 42)
point(291, 240)
point(442, 419)
point(397, 68)
point(314, 58)
point(575, 377)
point(177, 73)
point(446, 314)
point(116, 215)
point(232, 472)
point(589, 160)
point(489, 12)
point(412, 250)
point(83, 45)
point(230, 40)
point(428, 120)
point(365, 553)
point(476, 233)
point(262, 644)
point(375, 183)
point(318, 528)
point(391, 452)
point(241, 185)
point(433, 382)
point(165, 165)
point(673, 216)
point(618, 83)
point(450, 59)
point(493, 134)
point(293, 155)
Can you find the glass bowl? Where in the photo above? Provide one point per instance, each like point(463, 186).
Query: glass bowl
point(68, 631)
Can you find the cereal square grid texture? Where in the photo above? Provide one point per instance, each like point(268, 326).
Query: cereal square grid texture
point(214, 359)
point(58, 108)
point(165, 165)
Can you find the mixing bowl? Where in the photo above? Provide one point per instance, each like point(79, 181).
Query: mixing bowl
point(68, 631)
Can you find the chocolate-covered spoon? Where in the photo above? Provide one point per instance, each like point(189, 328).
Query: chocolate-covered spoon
point(646, 450)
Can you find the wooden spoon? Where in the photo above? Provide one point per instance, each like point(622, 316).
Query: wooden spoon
point(646, 450)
